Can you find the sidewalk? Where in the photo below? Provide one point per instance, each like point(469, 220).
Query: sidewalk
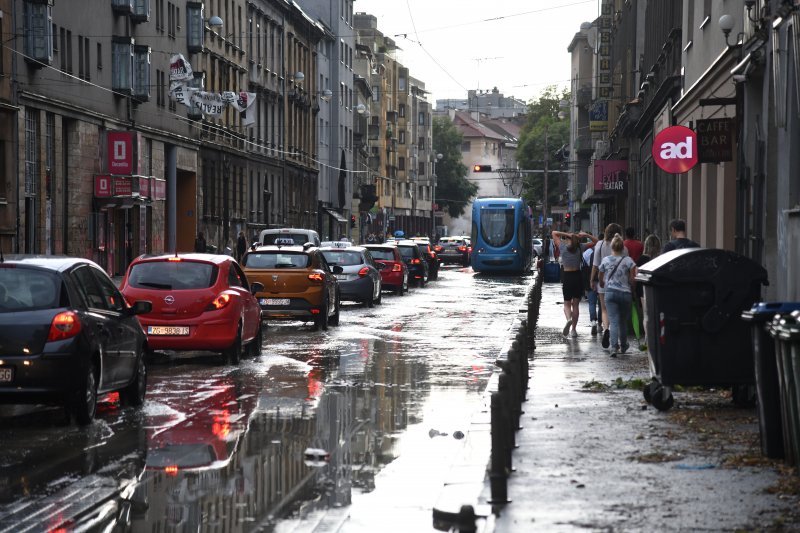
point(593, 456)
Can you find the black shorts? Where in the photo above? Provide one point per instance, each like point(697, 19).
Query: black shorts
point(572, 285)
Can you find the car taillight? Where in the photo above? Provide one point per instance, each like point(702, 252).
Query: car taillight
point(415, 261)
point(396, 267)
point(219, 302)
point(174, 259)
point(64, 326)
point(433, 255)
point(316, 277)
point(363, 272)
point(437, 249)
point(462, 248)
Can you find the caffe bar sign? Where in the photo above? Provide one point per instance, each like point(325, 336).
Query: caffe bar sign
point(715, 139)
point(611, 176)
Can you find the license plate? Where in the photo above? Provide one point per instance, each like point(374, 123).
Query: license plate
point(274, 301)
point(6, 375)
point(167, 330)
point(341, 277)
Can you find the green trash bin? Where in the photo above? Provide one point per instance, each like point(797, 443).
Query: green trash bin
point(786, 332)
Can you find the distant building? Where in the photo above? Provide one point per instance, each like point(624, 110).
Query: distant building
point(490, 103)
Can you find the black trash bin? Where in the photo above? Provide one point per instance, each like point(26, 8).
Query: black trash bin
point(786, 332)
point(694, 298)
point(771, 414)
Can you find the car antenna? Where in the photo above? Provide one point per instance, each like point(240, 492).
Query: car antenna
point(2, 259)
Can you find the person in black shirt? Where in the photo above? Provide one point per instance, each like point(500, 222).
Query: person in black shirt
point(677, 234)
point(200, 243)
point(241, 246)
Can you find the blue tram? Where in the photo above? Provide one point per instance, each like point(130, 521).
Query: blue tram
point(501, 236)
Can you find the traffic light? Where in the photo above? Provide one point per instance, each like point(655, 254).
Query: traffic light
point(567, 216)
point(352, 221)
point(481, 168)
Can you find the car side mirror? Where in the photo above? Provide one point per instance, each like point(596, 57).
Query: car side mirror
point(256, 286)
point(336, 269)
point(141, 307)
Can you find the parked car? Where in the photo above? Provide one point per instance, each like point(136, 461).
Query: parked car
point(298, 283)
point(67, 335)
point(454, 250)
point(360, 279)
point(299, 236)
point(537, 247)
point(395, 274)
point(416, 263)
point(201, 302)
point(430, 256)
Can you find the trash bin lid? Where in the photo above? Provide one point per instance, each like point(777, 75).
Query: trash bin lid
point(779, 323)
point(765, 311)
point(787, 332)
point(702, 264)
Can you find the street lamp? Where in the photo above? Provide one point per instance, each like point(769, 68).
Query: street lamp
point(267, 198)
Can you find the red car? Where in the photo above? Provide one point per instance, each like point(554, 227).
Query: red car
point(395, 275)
point(200, 302)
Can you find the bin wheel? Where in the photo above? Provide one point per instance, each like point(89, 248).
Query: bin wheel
point(658, 398)
point(744, 395)
point(647, 391)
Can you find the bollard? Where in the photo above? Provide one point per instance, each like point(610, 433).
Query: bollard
point(513, 383)
point(498, 473)
point(504, 387)
point(467, 520)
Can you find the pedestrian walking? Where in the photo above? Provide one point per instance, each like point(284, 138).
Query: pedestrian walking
point(571, 252)
point(603, 250)
point(677, 235)
point(241, 246)
point(652, 249)
point(591, 294)
point(200, 243)
point(617, 276)
point(632, 244)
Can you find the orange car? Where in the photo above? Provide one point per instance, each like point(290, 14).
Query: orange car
point(298, 283)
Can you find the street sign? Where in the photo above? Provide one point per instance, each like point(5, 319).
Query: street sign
point(675, 149)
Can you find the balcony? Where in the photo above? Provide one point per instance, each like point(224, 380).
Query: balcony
point(583, 144)
point(374, 163)
point(374, 132)
point(391, 117)
point(584, 96)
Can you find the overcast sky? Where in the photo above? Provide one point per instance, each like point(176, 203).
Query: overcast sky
point(519, 46)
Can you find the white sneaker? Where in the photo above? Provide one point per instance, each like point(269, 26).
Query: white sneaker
point(574, 333)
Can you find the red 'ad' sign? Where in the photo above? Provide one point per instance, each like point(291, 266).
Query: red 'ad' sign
point(120, 152)
point(675, 149)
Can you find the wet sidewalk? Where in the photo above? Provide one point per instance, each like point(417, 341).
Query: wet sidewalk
point(594, 456)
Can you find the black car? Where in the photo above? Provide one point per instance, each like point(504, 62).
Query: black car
point(430, 256)
point(67, 335)
point(414, 260)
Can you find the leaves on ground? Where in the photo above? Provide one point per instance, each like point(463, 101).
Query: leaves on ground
point(618, 384)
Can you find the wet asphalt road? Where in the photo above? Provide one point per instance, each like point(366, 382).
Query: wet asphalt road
point(357, 423)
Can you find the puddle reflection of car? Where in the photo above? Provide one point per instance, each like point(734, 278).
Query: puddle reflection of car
point(200, 302)
point(67, 335)
point(360, 279)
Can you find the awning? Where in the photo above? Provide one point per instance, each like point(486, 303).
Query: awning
point(335, 214)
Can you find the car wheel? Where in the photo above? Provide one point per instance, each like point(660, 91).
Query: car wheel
point(233, 354)
point(334, 319)
point(399, 290)
point(85, 401)
point(321, 322)
point(133, 394)
point(257, 344)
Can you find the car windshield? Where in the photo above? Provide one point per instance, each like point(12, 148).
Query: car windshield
point(172, 275)
point(277, 259)
point(335, 257)
point(29, 288)
point(383, 254)
point(497, 226)
point(297, 238)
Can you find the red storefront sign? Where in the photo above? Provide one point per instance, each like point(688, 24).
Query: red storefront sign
point(675, 149)
point(144, 186)
point(120, 152)
point(159, 189)
point(610, 175)
point(123, 186)
point(102, 186)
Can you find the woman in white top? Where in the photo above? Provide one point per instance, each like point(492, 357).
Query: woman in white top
point(617, 277)
point(601, 251)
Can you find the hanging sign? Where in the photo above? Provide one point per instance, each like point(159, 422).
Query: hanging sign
point(715, 140)
point(120, 152)
point(675, 149)
point(102, 186)
point(610, 176)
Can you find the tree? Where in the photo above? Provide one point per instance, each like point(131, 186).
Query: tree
point(453, 190)
point(541, 137)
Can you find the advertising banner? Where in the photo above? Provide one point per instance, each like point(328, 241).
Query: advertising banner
point(120, 152)
point(123, 186)
point(611, 176)
point(675, 149)
point(715, 139)
point(102, 186)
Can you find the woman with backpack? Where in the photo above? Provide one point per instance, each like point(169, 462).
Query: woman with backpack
point(617, 277)
point(571, 251)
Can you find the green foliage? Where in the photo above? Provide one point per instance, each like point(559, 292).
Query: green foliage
point(541, 136)
point(453, 190)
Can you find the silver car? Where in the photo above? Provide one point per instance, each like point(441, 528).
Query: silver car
point(537, 247)
point(360, 279)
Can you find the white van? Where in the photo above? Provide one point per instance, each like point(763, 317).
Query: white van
point(299, 236)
